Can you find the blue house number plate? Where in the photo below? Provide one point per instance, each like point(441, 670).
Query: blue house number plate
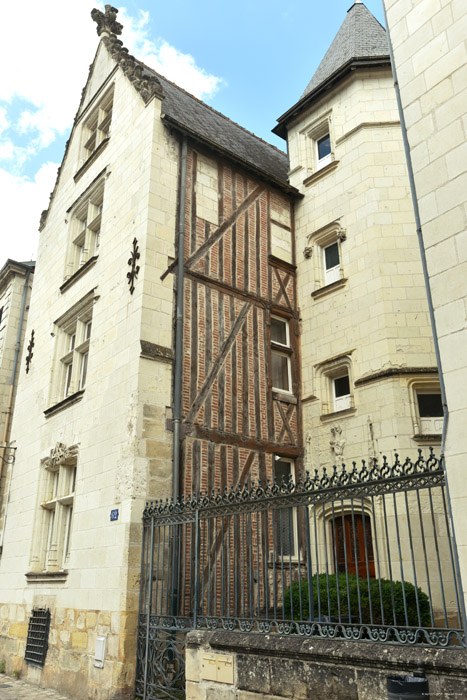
point(114, 514)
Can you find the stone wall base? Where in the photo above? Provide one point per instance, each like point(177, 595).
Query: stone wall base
point(69, 665)
point(273, 667)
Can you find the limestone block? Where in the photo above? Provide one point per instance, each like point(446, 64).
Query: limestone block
point(79, 640)
point(195, 691)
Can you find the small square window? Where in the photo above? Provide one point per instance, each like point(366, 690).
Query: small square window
point(324, 247)
point(430, 412)
point(323, 150)
point(341, 392)
point(332, 264)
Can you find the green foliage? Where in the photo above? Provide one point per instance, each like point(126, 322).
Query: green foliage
point(2, 666)
point(16, 673)
point(387, 600)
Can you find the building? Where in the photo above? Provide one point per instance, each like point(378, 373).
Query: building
point(295, 334)
point(370, 383)
point(16, 280)
point(430, 61)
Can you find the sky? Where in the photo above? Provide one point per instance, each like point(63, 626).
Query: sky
point(250, 60)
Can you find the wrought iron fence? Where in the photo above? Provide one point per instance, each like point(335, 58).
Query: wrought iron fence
point(359, 555)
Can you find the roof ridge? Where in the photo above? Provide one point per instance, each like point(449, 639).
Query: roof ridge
point(215, 111)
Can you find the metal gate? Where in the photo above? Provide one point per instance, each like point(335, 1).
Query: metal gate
point(360, 555)
point(166, 601)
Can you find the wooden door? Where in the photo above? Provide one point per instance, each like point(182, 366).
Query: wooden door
point(352, 533)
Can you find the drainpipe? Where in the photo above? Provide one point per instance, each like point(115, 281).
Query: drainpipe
point(426, 278)
point(9, 411)
point(178, 365)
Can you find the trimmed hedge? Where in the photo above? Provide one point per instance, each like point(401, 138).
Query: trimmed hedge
point(391, 594)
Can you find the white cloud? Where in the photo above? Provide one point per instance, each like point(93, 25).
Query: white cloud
point(40, 93)
point(20, 219)
point(4, 123)
point(7, 150)
point(52, 71)
point(180, 68)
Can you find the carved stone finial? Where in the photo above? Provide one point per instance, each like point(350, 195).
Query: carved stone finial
point(107, 21)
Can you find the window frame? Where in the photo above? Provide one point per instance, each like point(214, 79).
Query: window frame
point(343, 402)
point(423, 387)
point(316, 245)
point(313, 135)
point(73, 333)
point(97, 125)
point(327, 373)
point(282, 350)
point(52, 535)
point(85, 229)
point(277, 549)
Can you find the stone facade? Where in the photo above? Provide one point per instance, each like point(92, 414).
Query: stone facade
point(15, 290)
point(87, 574)
point(372, 322)
point(94, 416)
point(430, 56)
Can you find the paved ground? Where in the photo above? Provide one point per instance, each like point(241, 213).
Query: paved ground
point(11, 689)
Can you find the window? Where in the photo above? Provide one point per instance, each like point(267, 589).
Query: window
point(280, 354)
point(323, 151)
point(430, 412)
point(318, 143)
point(85, 229)
point(285, 532)
point(59, 511)
point(96, 128)
point(332, 266)
point(75, 360)
point(334, 382)
point(38, 636)
point(53, 527)
point(325, 247)
point(73, 338)
point(341, 392)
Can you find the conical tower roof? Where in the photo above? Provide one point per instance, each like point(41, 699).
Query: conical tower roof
point(360, 42)
point(360, 36)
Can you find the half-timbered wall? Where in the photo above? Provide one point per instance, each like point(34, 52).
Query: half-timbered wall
point(238, 271)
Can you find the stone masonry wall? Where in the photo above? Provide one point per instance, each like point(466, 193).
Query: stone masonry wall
point(430, 53)
point(273, 667)
point(70, 657)
point(376, 315)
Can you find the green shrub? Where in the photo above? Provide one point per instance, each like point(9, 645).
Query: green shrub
point(389, 592)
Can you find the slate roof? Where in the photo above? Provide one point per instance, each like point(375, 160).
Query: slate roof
point(360, 36)
point(191, 115)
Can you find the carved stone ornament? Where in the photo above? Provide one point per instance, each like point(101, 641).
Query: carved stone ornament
point(59, 455)
point(133, 274)
point(30, 352)
point(146, 84)
point(308, 251)
point(107, 21)
point(338, 442)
